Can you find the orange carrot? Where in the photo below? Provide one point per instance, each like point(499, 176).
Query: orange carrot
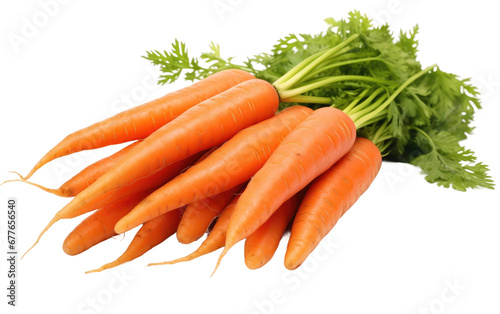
point(100, 225)
point(203, 126)
point(205, 155)
point(199, 215)
point(329, 197)
point(232, 164)
point(87, 176)
point(216, 237)
point(152, 233)
point(145, 183)
point(139, 122)
point(261, 245)
point(152, 181)
point(309, 150)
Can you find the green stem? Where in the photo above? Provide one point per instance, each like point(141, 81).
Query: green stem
point(360, 123)
point(346, 55)
point(339, 64)
point(340, 55)
point(284, 94)
point(426, 136)
point(356, 100)
point(309, 99)
point(367, 101)
point(383, 147)
point(372, 107)
point(233, 67)
point(288, 83)
point(377, 138)
point(384, 138)
point(368, 117)
point(298, 67)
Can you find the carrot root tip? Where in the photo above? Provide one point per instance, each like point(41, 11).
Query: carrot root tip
point(292, 263)
point(187, 258)
point(13, 180)
point(121, 226)
point(254, 262)
point(57, 192)
point(103, 267)
point(29, 174)
point(15, 172)
point(157, 264)
point(226, 249)
point(36, 242)
point(97, 270)
point(291, 266)
point(53, 221)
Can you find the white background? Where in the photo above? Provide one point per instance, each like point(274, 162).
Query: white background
point(406, 247)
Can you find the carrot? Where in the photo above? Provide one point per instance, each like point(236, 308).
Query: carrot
point(87, 176)
point(329, 197)
point(99, 226)
point(261, 245)
point(232, 164)
point(205, 125)
point(152, 181)
point(139, 122)
point(216, 237)
point(199, 215)
point(310, 149)
point(195, 215)
point(145, 183)
point(152, 233)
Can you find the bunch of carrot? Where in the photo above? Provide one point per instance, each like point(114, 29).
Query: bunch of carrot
point(220, 157)
point(227, 160)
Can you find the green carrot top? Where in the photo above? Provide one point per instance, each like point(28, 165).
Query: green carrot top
point(415, 115)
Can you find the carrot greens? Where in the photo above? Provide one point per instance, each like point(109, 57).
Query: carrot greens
point(414, 114)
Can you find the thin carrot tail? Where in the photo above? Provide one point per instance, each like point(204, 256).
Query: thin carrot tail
point(202, 250)
point(52, 154)
point(13, 180)
point(53, 221)
point(179, 260)
point(106, 266)
point(226, 249)
point(32, 171)
point(57, 151)
point(57, 192)
point(15, 172)
point(231, 240)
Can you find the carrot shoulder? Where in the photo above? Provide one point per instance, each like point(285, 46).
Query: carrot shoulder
point(329, 196)
point(139, 122)
point(232, 164)
point(310, 149)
